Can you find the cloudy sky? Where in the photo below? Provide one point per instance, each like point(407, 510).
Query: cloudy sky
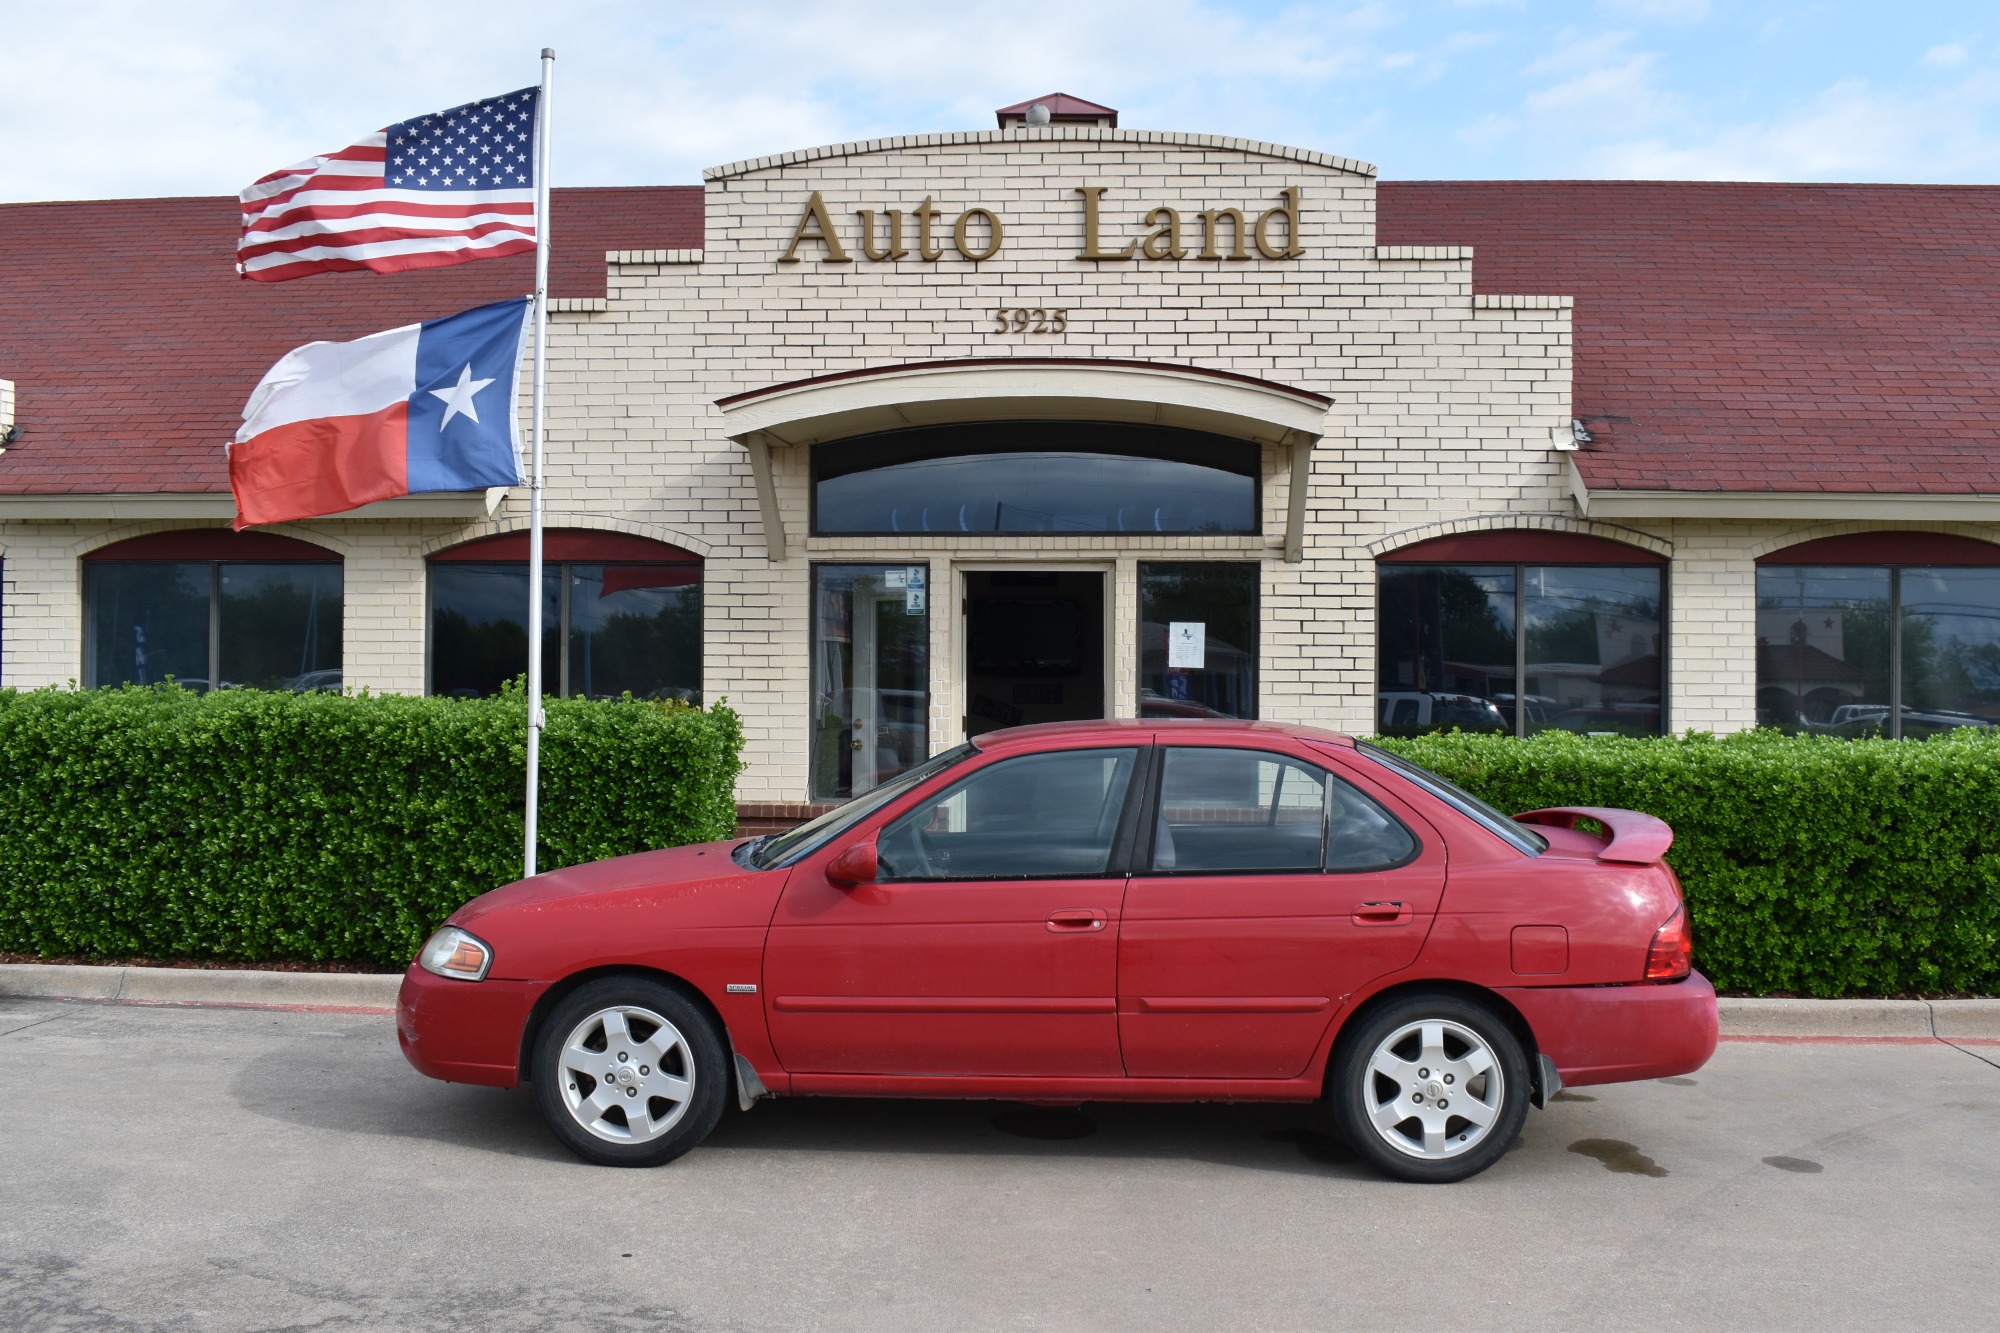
point(119, 98)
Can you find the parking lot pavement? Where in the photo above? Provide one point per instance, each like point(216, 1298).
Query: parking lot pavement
point(240, 1169)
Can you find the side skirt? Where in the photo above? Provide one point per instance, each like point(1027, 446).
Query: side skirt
point(1061, 1089)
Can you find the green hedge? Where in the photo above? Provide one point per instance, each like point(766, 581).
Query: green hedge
point(155, 822)
point(1813, 866)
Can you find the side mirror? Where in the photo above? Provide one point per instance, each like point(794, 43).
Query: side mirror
point(856, 865)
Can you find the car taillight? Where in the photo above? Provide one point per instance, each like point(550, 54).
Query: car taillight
point(1672, 954)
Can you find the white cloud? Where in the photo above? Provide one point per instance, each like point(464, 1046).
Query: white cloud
point(1600, 86)
point(1948, 56)
point(1849, 131)
point(1676, 11)
point(128, 98)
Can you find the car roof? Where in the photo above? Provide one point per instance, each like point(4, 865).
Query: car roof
point(1131, 730)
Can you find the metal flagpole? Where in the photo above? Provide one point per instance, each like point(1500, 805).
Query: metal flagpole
point(537, 719)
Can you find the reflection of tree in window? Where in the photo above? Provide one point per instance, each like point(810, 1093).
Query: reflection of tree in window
point(1437, 622)
point(279, 623)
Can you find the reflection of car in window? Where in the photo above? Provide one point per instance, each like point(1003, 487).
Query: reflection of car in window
point(314, 680)
point(1401, 710)
point(1154, 704)
point(1619, 719)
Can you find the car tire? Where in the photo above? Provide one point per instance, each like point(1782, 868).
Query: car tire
point(1430, 1087)
point(629, 1071)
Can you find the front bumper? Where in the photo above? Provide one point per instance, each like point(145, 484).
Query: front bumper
point(464, 1031)
point(1616, 1034)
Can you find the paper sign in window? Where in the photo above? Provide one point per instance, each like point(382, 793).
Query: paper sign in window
point(1187, 645)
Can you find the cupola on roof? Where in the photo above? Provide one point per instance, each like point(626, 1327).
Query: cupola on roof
point(1063, 110)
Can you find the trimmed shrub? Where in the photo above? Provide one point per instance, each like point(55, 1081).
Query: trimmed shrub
point(155, 822)
point(1812, 865)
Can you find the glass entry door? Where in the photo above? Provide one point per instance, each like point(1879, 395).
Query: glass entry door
point(871, 675)
point(1034, 647)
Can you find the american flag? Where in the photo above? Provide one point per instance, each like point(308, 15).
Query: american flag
point(423, 193)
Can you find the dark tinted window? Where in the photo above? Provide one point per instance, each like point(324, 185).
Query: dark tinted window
point(1036, 476)
point(628, 627)
point(272, 626)
point(1361, 835)
point(1829, 638)
point(1208, 608)
point(1034, 816)
point(1238, 810)
point(1243, 811)
point(1522, 648)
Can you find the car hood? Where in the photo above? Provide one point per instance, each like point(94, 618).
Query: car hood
point(700, 881)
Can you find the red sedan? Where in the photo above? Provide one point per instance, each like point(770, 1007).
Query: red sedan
point(1142, 910)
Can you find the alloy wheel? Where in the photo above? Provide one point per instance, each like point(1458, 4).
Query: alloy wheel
point(627, 1074)
point(1433, 1089)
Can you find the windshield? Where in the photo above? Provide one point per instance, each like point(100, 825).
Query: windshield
point(784, 848)
point(1534, 844)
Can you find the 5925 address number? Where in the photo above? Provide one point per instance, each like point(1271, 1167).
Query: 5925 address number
point(1030, 319)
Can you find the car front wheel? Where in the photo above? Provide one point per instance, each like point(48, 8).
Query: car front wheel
point(1431, 1088)
point(629, 1072)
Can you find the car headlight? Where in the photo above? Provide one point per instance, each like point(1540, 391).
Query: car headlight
point(456, 954)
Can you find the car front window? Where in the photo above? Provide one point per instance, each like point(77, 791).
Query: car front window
point(784, 848)
point(1033, 816)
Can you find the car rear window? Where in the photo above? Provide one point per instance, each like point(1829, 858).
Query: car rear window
point(1522, 838)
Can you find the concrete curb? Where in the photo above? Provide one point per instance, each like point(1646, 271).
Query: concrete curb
point(186, 985)
point(1964, 1020)
point(1893, 1020)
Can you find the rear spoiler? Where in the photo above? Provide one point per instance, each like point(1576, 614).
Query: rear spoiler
point(1636, 839)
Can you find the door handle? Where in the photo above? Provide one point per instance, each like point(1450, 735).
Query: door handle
point(1076, 920)
point(1382, 914)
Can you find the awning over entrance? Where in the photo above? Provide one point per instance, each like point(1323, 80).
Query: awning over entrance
point(831, 407)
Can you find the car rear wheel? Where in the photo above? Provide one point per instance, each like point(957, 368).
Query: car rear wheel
point(629, 1072)
point(1431, 1088)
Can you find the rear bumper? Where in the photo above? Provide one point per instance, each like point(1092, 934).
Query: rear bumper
point(1615, 1034)
point(464, 1031)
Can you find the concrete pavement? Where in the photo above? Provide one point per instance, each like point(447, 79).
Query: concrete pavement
point(223, 1168)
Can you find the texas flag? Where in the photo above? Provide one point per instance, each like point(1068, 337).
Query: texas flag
point(427, 407)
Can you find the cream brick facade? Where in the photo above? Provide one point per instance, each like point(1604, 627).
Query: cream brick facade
point(1446, 414)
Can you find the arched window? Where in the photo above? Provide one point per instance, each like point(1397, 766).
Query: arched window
point(213, 609)
point(620, 614)
point(1879, 634)
point(1519, 632)
point(1035, 477)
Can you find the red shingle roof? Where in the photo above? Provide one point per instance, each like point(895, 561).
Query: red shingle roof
point(1728, 337)
point(1841, 338)
point(133, 358)
point(1062, 108)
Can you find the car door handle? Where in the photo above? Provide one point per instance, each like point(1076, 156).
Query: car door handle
point(1382, 914)
point(1076, 920)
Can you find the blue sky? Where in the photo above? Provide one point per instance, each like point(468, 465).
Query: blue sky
point(106, 99)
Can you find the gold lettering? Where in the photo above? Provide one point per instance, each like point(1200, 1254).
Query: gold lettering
point(1165, 242)
point(895, 250)
point(1289, 211)
point(958, 229)
point(822, 232)
point(1090, 195)
point(1211, 223)
point(924, 215)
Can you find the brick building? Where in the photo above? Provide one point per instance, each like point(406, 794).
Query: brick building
point(894, 441)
